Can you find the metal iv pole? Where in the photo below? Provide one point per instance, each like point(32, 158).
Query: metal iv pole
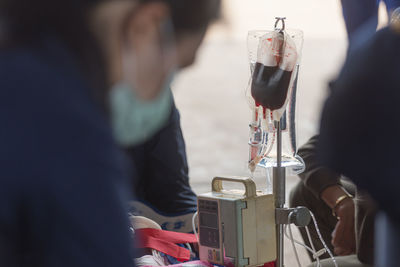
point(300, 216)
point(279, 181)
point(279, 178)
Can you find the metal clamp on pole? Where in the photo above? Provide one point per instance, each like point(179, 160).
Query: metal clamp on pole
point(299, 216)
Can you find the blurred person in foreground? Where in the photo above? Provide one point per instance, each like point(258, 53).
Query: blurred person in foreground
point(359, 131)
point(346, 222)
point(346, 215)
point(161, 184)
point(364, 14)
point(76, 76)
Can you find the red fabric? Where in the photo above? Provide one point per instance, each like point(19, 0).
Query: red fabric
point(269, 264)
point(165, 242)
point(174, 237)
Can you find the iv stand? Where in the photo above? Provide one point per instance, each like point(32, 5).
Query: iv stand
point(279, 181)
point(300, 216)
point(279, 177)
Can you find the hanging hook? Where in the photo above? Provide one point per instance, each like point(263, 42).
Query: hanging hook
point(282, 20)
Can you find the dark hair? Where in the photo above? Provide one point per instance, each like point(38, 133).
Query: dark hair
point(24, 21)
point(193, 15)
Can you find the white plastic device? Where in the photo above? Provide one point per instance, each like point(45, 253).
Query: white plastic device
point(237, 224)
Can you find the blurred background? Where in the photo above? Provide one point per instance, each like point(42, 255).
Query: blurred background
point(211, 94)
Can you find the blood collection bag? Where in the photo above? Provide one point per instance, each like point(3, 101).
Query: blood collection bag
point(274, 58)
point(271, 75)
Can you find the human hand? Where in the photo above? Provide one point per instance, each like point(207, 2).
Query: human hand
point(343, 237)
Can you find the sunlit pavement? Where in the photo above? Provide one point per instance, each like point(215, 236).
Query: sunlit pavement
point(211, 94)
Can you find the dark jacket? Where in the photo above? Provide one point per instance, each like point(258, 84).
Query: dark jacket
point(62, 176)
point(162, 179)
point(359, 127)
point(317, 177)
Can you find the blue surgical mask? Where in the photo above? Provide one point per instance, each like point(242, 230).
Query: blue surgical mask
point(135, 120)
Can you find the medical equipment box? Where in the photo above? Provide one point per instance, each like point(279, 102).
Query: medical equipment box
point(237, 224)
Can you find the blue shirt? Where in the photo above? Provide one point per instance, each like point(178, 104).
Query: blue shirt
point(62, 177)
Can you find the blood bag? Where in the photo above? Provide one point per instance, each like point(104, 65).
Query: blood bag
point(274, 58)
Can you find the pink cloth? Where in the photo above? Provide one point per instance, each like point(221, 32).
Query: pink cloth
point(228, 263)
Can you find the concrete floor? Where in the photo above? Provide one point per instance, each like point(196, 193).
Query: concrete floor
point(211, 94)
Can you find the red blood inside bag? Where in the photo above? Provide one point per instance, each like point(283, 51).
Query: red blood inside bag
point(271, 76)
point(270, 85)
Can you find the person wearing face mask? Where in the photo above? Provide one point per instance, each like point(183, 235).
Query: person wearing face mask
point(64, 66)
point(162, 188)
